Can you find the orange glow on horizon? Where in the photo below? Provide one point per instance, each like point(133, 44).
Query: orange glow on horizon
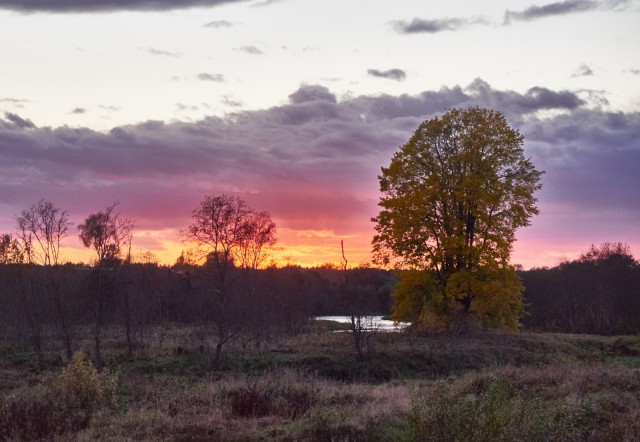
point(313, 248)
point(306, 248)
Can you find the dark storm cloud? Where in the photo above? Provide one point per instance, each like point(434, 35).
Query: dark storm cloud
point(312, 151)
point(583, 71)
point(535, 12)
point(392, 74)
point(71, 6)
point(418, 25)
point(211, 77)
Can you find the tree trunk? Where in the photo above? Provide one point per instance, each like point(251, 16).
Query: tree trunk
point(217, 355)
point(99, 318)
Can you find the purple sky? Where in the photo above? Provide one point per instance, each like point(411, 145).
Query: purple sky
point(157, 118)
point(313, 164)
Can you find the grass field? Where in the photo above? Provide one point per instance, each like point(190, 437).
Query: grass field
point(482, 387)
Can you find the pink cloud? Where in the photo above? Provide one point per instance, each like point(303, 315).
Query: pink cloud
point(313, 164)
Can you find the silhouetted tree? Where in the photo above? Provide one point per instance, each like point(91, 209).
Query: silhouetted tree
point(107, 233)
point(41, 228)
point(10, 250)
point(234, 237)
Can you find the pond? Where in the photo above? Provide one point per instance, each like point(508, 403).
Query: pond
point(371, 322)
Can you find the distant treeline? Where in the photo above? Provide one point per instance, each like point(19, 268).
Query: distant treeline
point(598, 293)
point(48, 307)
point(53, 307)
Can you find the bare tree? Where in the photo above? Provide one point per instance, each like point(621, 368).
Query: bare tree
point(41, 228)
point(355, 314)
point(228, 231)
point(108, 234)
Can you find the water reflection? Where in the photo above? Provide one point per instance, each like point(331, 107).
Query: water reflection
point(370, 322)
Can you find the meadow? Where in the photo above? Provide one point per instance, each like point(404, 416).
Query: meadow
point(480, 386)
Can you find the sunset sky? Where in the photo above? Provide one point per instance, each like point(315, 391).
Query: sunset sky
point(294, 105)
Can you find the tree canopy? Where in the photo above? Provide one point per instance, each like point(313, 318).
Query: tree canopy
point(452, 199)
point(106, 232)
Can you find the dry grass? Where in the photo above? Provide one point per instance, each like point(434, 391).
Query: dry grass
point(483, 387)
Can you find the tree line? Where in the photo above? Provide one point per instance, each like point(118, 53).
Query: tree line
point(222, 289)
point(598, 293)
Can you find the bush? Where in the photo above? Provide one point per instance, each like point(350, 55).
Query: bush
point(60, 405)
point(83, 386)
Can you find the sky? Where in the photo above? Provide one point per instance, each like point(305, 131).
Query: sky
point(295, 105)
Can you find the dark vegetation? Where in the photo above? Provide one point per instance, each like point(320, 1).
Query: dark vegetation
point(144, 301)
point(482, 387)
point(284, 377)
point(598, 293)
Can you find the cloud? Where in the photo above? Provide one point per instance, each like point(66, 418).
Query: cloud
point(79, 110)
point(18, 121)
point(583, 71)
point(217, 24)
point(478, 93)
point(13, 100)
point(590, 158)
point(109, 108)
point(392, 74)
point(161, 53)
point(313, 161)
point(211, 77)
point(75, 6)
point(535, 12)
point(16, 103)
point(262, 3)
point(230, 101)
point(418, 25)
point(250, 50)
point(310, 93)
point(186, 107)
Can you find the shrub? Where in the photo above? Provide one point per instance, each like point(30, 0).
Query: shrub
point(63, 404)
point(83, 386)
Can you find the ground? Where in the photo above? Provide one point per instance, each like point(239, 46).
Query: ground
point(486, 386)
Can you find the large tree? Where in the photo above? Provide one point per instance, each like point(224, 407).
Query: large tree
point(452, 199)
